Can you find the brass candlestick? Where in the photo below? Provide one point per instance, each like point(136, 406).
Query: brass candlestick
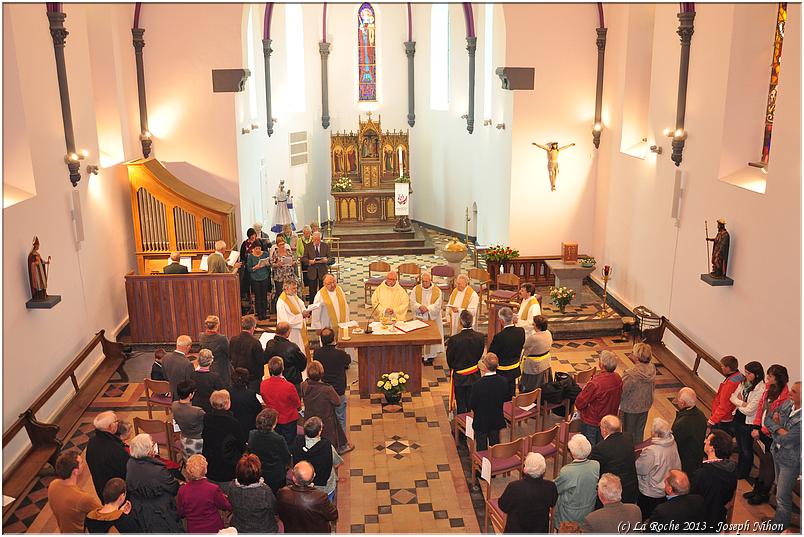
point(606, 278)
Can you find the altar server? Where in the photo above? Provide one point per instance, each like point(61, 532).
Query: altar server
point(390, 298)
point(290, 309)
point(528, 307)
point(463, 297)
point(425, 301)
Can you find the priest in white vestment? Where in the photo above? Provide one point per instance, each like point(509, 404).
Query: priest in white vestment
point(463, 297)
point(331, 306)
point(425, 301)
point(390, 298)
point(290, 309)
point(528, 307)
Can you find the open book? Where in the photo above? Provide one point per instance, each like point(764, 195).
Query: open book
point(234, 255)
point(203, 266)
point(409, 326)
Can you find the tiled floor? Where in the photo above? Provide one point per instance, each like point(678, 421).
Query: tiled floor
point(406, 475)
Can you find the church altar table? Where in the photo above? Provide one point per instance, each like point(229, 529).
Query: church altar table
point(378, 354)
point(569, 275)
point(364, 206)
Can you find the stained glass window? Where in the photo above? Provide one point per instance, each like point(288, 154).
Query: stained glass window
point(770, 111)
point(366, 53)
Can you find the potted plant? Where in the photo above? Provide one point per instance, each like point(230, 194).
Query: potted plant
point(342, 184)
point(561, 296)
point(391, 385)
point(497, 256)
point(587, 261)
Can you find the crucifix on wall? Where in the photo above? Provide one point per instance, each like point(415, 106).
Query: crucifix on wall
point(552, 159)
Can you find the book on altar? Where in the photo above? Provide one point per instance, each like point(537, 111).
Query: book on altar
point(266, 337)
point(187, 262)
point(313, 306)
point(234, 255)
point(203, 267)
point(409, 326)
point(348, 324)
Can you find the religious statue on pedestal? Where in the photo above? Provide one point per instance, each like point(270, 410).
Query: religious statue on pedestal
point(552, 159)
point(283, 202)
point(37, 278)
point(720, 250)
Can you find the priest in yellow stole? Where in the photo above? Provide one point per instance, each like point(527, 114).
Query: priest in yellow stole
point(528, 307)
point(290, 309)
point(463, 297)
point(332, 306)
point(390, 298)
point(425, 301)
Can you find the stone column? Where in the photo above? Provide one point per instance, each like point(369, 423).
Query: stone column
point(685, 31)
point(139, 43)
point(410, 51)
point(601, 56)
point(323, 49)
point(266, 52)
point(471, 47)
point(59, 34)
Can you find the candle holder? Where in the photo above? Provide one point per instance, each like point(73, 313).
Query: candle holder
point(606, 278)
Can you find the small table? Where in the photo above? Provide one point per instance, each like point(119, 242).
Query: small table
point(645, 319)
point(381, 353)
point(570, 276)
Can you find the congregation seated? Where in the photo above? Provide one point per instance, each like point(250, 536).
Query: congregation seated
point(224, 441)
point(527, 502)
point(68, 502)
point(322, 401)
point(716, 480)
point(615, 453)
point(302, 507)
point(106, 453)
point(576, 483)
point(218, 343)
point(272, 450)
point(199, 501)
point(320, 453)
point(652, 466)
point(252, 500)
point(205, 380)
point(245, 405)
point(115, 511)
point(189, 418)
point(615, 515)
point(151, 488)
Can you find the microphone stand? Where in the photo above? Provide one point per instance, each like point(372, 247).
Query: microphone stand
point(371, 315)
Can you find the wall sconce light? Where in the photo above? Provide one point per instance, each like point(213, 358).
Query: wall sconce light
point(274, 121)
point(597, 127)
point(71, 158)
point(145, 142)
point(245, 130)
point(501, 126)
point(656, 149)
point(465, 116)
point(487, 122)
point(255, 126)
point(93, 169)
point(678, 134)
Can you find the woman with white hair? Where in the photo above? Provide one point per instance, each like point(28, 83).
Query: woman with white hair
point(653, 464)
point(637, 395)
point(206, 381)
point(151, 488)
point(527, 502)
point(576, 483)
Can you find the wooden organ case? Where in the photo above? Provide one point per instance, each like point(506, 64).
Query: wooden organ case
point(170, 215)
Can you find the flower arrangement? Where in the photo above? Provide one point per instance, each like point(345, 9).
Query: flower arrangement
point(343, 184)
point(392, 384)
point(587, 261)
point(402, 179)
point(500, 253)
point(561, 296)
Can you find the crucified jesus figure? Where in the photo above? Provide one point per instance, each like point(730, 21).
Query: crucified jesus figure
point(552, 159)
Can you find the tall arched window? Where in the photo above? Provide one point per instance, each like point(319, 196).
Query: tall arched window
point(488, 52)
point(366, 53)
point(294, 37)
point(252, 66)
point(439, 57)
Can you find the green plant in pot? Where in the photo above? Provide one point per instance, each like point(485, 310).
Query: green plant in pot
point(392, 385)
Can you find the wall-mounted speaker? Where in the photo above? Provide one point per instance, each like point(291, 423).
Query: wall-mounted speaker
point(516, 78)
point(678, 194)
point(229, 80)
point(78, 219)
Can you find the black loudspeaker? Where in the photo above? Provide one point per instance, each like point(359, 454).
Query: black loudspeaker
point(516, 78)
point(229, 80)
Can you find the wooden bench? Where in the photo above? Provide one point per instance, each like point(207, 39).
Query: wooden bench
point(47, 438)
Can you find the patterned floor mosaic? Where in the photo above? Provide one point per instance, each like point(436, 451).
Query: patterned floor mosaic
point(406, 474)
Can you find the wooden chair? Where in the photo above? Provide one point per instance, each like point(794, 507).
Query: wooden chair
point(567, 429)
point(584, 376)
point(546, 443)
point(155, 395)
point(459, 425)
point(446, 278)
point(374, 281)
point(480, 279)
point(503, 292)
point(513, 410)
point(162, 433)
point(335, 247)
point(409, 269)
point(504, 458)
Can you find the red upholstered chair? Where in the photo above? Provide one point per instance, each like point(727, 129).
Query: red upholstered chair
point(513, 413)
point(546, 443)
point(566, 430)
point(507, 288)
point(480, 279)
point(504, 458)
point(409, 269)
point(156, 395)
point(444, 278)
point(162, 433)
point(380, 267)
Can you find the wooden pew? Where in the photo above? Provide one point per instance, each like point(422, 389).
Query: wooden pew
point(47, 438)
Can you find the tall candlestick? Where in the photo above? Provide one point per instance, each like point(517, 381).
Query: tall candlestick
point(401, 164)
point(319, 215)
point(329, 218)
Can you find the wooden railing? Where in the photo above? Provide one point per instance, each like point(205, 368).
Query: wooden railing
point(655, 335)
point(531, 269)
point(46, 438)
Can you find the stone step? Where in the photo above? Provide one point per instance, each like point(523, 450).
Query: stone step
point(355, 234)
point(374, 250)
point(374, 243)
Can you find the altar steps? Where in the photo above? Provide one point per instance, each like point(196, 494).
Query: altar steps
point(382, 241)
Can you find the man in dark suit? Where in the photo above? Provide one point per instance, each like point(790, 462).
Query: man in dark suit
point(488, 396)
point(315, 261)
point(689, 430)
point(681, 508)
point(106, 454)
point(294, 359)
point(614, 513)
point(527, 502)
point(615, 453)
point(716, 479)
point(246, 351)
point(174, 267)
point(507, 345)
point(176, 365)
point(335, 362)
point(464, 350)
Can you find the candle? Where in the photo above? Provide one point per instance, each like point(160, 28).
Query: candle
point(329, 218)
point(319, 215)
point(401, 164)
point(606, 270)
